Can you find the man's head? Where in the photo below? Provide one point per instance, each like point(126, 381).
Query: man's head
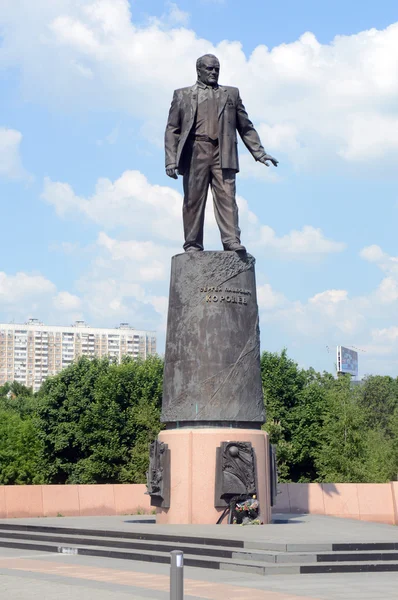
point(208, 69)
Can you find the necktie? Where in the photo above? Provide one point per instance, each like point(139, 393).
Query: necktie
point(212, 114)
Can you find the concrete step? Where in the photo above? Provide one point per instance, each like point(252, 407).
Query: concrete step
point(312, 557)
point(234, 563)
point(366, 556)
point(141, 545)
point(202, 550)
point(350, 567)
point(320, 547)
point(216, 542)
point(293, 569)
point(131, 535)
point(158, 556)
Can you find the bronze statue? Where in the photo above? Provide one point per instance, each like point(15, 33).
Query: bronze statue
point(201, 145)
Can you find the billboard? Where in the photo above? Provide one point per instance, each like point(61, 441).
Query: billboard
point(347, 361)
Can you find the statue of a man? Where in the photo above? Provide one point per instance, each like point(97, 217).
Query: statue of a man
point(201, 145)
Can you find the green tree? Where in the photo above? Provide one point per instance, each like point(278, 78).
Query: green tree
point(96, 419)
point(18, 398)
point(380, 458)
point(341, 454)
point(379, 397)
point(295, 401)
point(20, 449)
point(351, 449)
point(306, 425)
point(327, 429)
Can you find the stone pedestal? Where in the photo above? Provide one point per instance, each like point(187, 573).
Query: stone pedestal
point(212, 392)
point(193, 471)
point(212, 360)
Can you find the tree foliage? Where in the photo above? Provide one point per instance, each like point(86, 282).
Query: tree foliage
point(294, 400)
point(94, 421)
point(20, 446)
point(328, 429)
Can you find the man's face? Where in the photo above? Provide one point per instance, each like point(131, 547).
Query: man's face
point(209, 71)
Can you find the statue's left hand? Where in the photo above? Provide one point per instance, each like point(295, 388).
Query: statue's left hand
point(172, 172)
point(266, 159)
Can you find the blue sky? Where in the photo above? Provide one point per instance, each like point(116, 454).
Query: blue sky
point(90, 220)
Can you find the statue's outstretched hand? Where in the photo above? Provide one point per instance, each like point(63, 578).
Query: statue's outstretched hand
point(172, 172)
point(266, 159)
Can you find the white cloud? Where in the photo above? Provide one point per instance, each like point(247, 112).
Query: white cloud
point(268, 299)
point(375, 254)
point(388, 334)
point(149, 211)
point(111, 298)
point(371, 136)
point(333, 316)
point(18, 287)
point(130, 201)
point(176, 16)
point(108, 294)
point(129, 272)
point(308, 242)
point(146, 259)
point(372, 253)
point(384, 299)
point(330, 298)
point(126, 281)
point(281, 136)
point(250, 169)
point(310, 100)
point(65, 301)
point(24, 294)
point(387, 291)
point(10, 154)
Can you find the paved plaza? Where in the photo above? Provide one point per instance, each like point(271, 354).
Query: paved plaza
point(32, 575)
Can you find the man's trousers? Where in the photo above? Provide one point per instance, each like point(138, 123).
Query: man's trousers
point(202, 168)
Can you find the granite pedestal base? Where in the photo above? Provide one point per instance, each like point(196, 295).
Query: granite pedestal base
point(193, 468)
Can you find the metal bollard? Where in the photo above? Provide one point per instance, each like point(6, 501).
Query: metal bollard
point(177, 575)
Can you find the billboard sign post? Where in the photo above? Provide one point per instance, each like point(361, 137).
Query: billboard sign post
point(347, 361)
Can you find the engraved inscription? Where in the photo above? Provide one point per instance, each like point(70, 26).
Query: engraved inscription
point(211, 288)
point(216, 294)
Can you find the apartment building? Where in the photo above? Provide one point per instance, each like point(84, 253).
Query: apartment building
point(31, 352)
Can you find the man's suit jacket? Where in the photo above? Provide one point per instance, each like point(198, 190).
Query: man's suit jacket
point(232, 117)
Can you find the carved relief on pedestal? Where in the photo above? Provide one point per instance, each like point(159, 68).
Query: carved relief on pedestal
point(158, 474)
point(236, 473)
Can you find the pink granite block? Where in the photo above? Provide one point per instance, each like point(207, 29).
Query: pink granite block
point(282, 504)
point(3, 512)
point(23, 500)
point(193, 469)
point(180, 445)
point(131, 498)
point(341, 500)
point(96, 500)
point(394, 493)
point(60, 500)
point(306, 498)
point(376, 502)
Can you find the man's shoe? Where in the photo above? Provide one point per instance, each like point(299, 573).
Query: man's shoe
point(235, 247)
point(193, 249)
